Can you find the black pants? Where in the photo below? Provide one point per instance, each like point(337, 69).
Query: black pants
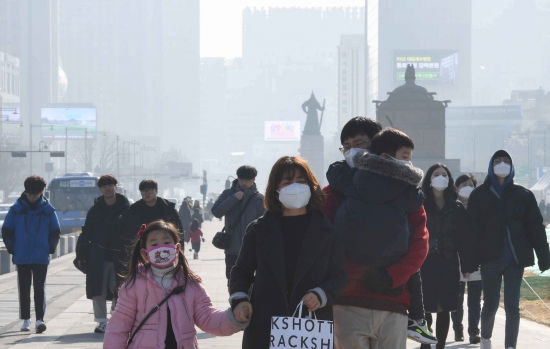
point(196, 246)
point(230, 260)
point(416, 308)
point(442, 325)
point(25, 275)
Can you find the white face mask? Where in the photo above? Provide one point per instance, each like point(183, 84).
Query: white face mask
point(465, 192)
point(440, 183)
point(404, 162)
point(350, 154)
point(502, 169)
point(295, 196)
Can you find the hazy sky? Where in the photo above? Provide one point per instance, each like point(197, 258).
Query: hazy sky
point(221, 21)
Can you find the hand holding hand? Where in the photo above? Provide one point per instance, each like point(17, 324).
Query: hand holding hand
point(243, 311)
point(239, 195)
point(311, 302)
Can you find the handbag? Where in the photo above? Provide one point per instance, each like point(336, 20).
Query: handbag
point(297, 332)
point(222, 239)
point(176, 290)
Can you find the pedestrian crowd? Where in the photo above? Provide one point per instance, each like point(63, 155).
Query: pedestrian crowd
point(383, 253)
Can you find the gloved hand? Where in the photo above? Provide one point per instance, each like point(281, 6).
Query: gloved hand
point(544, 261)
point(376, 280)
point(203, 240)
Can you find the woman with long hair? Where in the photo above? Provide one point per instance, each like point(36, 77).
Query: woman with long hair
point(465, 184)
point(291, 254)
point(441, 271)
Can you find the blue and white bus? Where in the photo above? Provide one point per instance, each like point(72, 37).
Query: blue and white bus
point(72, 196)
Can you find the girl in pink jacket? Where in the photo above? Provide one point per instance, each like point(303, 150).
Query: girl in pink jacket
point(157, 267)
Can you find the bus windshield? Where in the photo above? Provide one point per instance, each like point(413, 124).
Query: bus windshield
point(73, 195)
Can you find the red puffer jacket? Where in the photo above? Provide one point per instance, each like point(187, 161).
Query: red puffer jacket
point(358, 296)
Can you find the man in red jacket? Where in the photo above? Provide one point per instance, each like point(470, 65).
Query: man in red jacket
point(386, 308)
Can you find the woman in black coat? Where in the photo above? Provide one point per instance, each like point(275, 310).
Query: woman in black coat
point(441, 271)
point(291, 254)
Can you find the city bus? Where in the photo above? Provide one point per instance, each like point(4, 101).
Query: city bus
point(72, 196)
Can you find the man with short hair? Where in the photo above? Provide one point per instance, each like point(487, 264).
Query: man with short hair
point(242, 196)
point(97, 247)
point(31, 233)
point(149, 209)
point(506, 226)
point(383, 251)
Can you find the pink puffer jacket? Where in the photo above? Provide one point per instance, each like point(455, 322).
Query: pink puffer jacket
point(193, 307)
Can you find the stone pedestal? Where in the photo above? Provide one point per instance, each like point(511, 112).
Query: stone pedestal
point(312, 148)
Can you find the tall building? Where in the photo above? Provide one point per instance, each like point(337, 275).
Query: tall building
point(433, 35)
point(10, 82)
point(29, 31)
point(138, 62)
point(351, 78)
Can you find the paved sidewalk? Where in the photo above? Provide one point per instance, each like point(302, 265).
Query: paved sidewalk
point(70, 319)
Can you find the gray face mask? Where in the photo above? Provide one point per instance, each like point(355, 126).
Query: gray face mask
point(404, 162)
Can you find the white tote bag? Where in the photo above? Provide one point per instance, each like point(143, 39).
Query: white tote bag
point(301, 333)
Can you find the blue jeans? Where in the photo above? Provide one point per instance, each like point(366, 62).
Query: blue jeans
point(474, 308)
point(491, 275)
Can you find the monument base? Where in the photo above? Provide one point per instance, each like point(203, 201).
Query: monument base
point(312, 148)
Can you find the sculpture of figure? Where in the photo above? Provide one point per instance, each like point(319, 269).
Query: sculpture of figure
point(312, 126)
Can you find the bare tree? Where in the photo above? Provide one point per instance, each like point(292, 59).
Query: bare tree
point(96, 153)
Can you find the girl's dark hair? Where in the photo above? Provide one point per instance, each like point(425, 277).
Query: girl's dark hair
point(464, 178)
point(196, 204)
point(449, 193)
point(195, 224)
point(138, 261)
point(286, 167)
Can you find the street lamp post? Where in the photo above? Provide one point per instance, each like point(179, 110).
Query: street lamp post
point(474, 138)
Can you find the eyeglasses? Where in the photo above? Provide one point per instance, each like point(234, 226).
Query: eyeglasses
point(147, 191)
point(497, 161)
point(362, 144)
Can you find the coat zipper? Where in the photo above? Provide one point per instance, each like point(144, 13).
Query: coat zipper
point(185, 306)
point(145, 300)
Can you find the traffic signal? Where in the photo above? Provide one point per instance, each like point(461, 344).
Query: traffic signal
point(204, 189)
point(18, 154)
point(57, 154)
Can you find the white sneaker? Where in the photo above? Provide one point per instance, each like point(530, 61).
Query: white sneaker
point(101, 327)
point(40, 326)
point(485, 343)
point(26, 325)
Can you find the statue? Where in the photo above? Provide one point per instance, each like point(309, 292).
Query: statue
point(313, 125)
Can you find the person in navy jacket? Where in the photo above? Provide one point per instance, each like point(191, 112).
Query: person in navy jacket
point(31, 233)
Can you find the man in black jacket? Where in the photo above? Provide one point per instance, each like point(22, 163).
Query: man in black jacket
point(97, 247)
point(149, 209)
point(506, 226)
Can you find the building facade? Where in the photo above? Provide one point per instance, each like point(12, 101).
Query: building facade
point(433, 35)
point(351, 78)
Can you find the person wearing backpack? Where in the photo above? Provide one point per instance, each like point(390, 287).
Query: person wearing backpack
point(242, 196)
point(162, 299)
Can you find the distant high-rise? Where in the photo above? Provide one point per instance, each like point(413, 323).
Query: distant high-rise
point(351, 78)
point(433, 35)
point(138, 62)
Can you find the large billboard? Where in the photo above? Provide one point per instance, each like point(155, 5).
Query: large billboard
point(432, 67)
point(282, 130)
point(74, 122)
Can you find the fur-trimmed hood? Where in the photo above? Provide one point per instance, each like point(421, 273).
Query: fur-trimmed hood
point(388, 168)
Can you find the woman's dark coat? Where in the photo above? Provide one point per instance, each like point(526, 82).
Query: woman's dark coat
point(441, 271)
point(102, 230)
point(261, 263)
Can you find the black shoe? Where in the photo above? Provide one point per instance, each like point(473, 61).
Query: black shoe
point(475, 339)
point(459, 336)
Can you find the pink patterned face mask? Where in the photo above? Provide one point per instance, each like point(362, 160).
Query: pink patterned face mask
point(162, 256)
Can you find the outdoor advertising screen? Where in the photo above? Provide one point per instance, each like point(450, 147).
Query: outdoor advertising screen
point(433, 67)
point(73, 122)
point(282, 130)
